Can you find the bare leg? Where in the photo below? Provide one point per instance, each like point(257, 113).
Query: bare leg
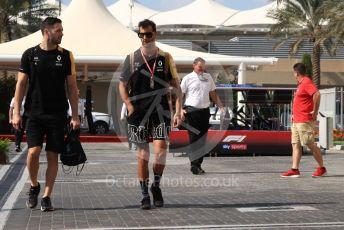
point(297, 152)
point(160, 149)
point(51, 173)
point(32, 162)
point(316, 154)
point(142, 161)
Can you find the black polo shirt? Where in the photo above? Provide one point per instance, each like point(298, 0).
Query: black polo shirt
point(47, 72)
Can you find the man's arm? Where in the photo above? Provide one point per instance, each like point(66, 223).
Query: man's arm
point(18, 98)
point(73, 99)
point(179, 97)
point(316, 104)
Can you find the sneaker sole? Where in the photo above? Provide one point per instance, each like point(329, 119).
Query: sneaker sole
point(47, 209)
point(321, 175)
point(29, 206)
point(293, 176)
point(159, 204)
point(146, 208)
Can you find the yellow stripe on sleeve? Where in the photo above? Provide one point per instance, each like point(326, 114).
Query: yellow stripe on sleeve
point(172, 65)
point(72, 63)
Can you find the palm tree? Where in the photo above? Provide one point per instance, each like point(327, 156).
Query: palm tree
point(28, 12)
point(302, 21)
point(335, 11)
point(9, 11)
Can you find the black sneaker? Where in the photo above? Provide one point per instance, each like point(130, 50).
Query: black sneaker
point(158, 201)
point(33, 194)
point(196, 170)
point(18, 148)
point(145, 203)
point(46, 204)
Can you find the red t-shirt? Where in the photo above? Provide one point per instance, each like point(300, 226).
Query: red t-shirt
point(303, 101)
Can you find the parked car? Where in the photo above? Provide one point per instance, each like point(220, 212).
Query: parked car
point(102, 123)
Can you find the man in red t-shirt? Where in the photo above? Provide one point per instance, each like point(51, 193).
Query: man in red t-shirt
point(305, 110)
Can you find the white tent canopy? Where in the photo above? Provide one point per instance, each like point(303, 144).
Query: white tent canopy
point(256, 16)
point(199, 12)
point(130, 12)
point(96, 38)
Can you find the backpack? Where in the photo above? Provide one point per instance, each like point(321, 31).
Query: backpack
point(73, 154)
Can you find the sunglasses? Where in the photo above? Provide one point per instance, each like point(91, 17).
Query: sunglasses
point(148, 34)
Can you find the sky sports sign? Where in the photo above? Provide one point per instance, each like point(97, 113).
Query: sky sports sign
point(233, 142)
point(236, 141)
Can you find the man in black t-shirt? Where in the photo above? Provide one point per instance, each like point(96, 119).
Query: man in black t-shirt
point(46, 67)
point(147, 77)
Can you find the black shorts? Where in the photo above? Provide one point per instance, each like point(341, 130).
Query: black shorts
point(143, 126)
point(51, 128)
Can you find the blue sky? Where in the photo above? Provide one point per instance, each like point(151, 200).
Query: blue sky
point(170, 4)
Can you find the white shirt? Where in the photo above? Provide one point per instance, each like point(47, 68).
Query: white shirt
point(21, 107)
point(196, 90)
point(123, 111)
point(81, 108)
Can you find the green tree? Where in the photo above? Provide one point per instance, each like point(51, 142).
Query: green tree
point(37, 10)
point(307, 60)
point(20, 18)
point(335, 12)
point(9, 12)
point(303, 21)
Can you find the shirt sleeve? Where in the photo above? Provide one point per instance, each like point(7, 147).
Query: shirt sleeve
point(25, 62)
point(172, 67)
point(125, 74)
point(212, 83)
point(311, 88)
point(183, 85)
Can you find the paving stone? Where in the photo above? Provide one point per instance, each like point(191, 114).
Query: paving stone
point(107, 194)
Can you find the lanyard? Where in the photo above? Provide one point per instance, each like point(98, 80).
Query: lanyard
point(149, 68)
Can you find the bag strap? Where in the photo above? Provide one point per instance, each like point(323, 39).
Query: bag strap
point(70, 169)
point(131, 59)
point(132, 69)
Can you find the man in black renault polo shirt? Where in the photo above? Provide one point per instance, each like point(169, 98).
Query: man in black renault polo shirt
point(144, 87)
point(46, 67)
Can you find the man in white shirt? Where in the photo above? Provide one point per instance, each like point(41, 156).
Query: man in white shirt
point(197, 87)
point(18, 132)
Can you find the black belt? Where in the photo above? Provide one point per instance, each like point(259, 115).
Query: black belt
point(189, 109)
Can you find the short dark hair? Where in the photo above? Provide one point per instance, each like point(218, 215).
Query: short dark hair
point(146, 23)
point(48, 22)
point(300, 68)
point(198, 59)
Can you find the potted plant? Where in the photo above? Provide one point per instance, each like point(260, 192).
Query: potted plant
point(4, 149)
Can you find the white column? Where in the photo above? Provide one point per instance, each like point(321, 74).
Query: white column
point(241, 80)
point(85, 73)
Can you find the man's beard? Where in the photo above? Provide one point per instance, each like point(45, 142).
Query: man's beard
point(54, 41)
point(149, 45)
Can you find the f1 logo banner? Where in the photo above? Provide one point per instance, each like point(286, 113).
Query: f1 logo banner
point(237, 141)
point(234, 138)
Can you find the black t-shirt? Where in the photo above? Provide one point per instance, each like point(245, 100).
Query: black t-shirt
point(47, 72)
point(137, 76)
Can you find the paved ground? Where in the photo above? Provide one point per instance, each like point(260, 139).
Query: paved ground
point(235, 193)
